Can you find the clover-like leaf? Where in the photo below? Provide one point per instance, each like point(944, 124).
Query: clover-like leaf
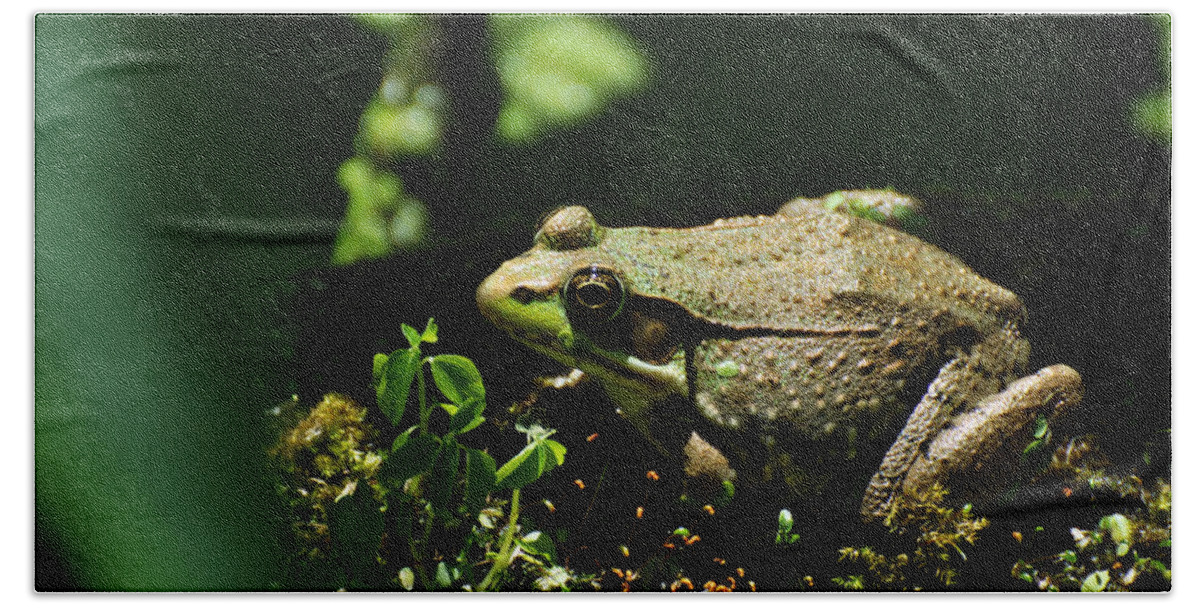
point(540, 544)
point(411, 334)
point(467, 417)
point(457, 377)
point(535, 460)
point(429, 334)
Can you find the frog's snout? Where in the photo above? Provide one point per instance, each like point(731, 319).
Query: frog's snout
point(490, 296)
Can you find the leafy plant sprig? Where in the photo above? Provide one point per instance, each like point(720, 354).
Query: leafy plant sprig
point(421, 473)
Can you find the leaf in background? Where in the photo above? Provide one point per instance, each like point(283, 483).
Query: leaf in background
point(457, 377)
point(379, 216)
point(371, 194)
point(558, 70)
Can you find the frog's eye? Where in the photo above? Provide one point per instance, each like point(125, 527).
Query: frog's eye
point(595, 292)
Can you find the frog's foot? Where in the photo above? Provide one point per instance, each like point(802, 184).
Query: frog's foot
point(705, 467)
point(883, 206)
point(974, 455)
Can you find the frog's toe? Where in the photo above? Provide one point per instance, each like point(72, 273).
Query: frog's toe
point(975, 456)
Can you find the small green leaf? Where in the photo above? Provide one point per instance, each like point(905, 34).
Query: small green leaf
point(481, 478)
point(466, 417)
point(1041, 427)
point(1095, 581)
point(413, 453)
point(406, 578)
point(537, 543)
point(398, 376)
point(380, 363)
point(402, 439)
point(520, 469)
point(725, 497)
point(785, 521)
point(457, 378)
point(430, 333)
point(472, 424)
point(410, 334)
point(442, 577)
point(1122, 549)
point(557, 450)
point(1118, 527)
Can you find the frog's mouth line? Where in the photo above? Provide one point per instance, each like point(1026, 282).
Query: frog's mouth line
point(629, 371)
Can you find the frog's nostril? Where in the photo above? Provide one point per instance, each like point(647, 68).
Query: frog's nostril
point(523, 294)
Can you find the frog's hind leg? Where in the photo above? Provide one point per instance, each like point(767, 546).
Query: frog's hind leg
point(961, 456)
point(929, 451)
point(925, 420)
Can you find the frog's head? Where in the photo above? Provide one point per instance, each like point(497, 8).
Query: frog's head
point(570, 299)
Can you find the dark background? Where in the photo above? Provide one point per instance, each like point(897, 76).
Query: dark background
point(186, 205)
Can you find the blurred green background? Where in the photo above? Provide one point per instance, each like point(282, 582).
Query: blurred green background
point(199, 255)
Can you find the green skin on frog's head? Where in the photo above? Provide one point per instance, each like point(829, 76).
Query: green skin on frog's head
point(566, 299)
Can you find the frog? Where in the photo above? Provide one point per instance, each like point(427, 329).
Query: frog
point(786, 350)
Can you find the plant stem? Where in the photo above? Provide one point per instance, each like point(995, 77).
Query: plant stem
point(504, 556)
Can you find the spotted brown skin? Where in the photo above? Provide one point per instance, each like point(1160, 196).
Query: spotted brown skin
point(794, 338)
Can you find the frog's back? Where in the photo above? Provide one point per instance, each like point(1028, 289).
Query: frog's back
point(812, 270)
